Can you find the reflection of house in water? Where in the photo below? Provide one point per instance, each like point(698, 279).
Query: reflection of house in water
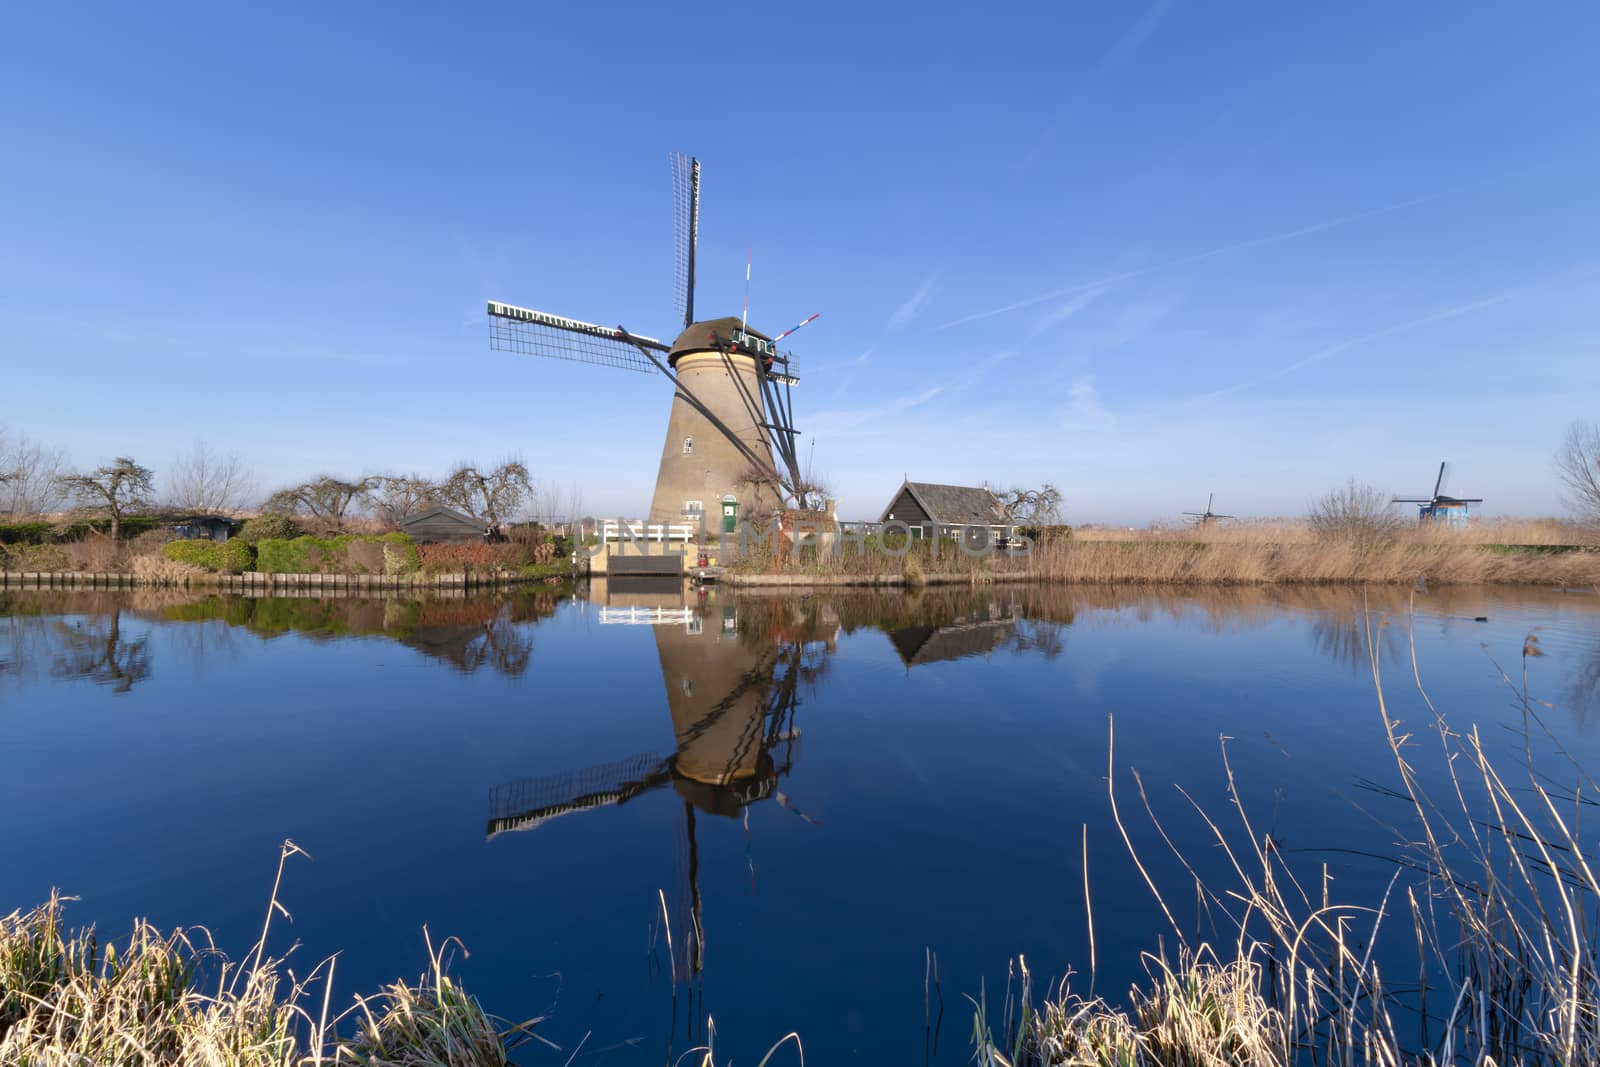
point(957, 640)
point(732, 672)
point(984, 627)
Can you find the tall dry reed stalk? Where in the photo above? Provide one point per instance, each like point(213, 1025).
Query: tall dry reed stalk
point(1494, 884)
point(68, 999)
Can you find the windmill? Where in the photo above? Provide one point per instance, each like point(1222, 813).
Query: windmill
point(1206, 517)
point(1438, 508)
point(730, 433)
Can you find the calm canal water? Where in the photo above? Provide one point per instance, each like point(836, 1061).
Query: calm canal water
point(828, 788)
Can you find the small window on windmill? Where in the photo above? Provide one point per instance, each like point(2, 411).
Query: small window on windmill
point(688, 445)
point(693, 507)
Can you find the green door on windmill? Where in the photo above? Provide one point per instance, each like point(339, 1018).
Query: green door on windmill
point(730, 516)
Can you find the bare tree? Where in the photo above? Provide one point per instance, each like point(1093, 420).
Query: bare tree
point(491, 495)
point(1032, 507)
point(396, 497)
point(30, 476)
point(113, 490)
point(325, 498)
point(205, 480)
point(1358, 514)
point(1578, 467)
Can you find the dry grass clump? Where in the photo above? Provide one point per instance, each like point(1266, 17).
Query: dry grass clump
point(65, 1001)
point(159, 570)
point(1494, 885)
point(434, 1023)
point(66, 998)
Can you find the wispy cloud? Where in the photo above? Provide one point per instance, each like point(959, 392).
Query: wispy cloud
point(907, 312)
point(1195, 257)
point(1121, 53)
point(1067, 309)
point(1444, 315)
point(1084, 408)
point(848, 416)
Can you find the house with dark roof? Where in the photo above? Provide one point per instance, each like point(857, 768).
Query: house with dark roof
point(204, 528)
point(442, 525)
point(931, 509)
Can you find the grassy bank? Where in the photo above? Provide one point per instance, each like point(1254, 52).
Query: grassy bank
point(1250, 555)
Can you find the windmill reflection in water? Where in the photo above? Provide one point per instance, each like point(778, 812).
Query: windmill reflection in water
point(733, 672)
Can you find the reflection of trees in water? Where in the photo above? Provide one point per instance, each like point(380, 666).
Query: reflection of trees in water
point(95, 648)
point(72, 633)
point(498, 642)
point(85, 639)
point(1584, 689)
point(1343, 637)
point(467, 633)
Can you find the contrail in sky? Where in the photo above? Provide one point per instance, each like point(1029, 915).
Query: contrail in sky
point(1401, 327)
point(1196, 257)
point(1378, 335)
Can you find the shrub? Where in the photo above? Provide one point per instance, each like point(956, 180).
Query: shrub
point(1044, 535)
point(1356, 514)
point(40, 558)
point(400, 554)
point(232, 555)
point(332, 555)
point(129, 526)
point(158, 570)
point(24, 533)
point(97, 554)
point(474, 556)
point(263, 527)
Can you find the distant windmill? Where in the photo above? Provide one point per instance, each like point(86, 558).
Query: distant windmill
point(732, 410)
point(1206, 517)
point(1438, 508)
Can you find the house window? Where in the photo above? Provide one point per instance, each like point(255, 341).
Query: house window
point(693, 507)
point(688, 445)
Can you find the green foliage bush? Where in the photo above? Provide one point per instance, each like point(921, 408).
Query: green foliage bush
point(262, 527)
point(131, 526)
point(24, 533)
point(40, 558)
point(331, 555)
point(1042, 535)
point(232, 555)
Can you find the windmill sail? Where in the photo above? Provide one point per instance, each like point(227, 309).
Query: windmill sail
point(685, 231)
point(537, 333)
point(525, 804)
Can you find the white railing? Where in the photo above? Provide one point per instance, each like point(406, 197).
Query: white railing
point(640, 616)
point(640, 531)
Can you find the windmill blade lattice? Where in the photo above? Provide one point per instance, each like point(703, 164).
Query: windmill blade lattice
point(685, 231)
point(534, 333)
point(525, 804)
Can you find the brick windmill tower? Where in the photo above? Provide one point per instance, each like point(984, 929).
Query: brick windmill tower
point(730, 450)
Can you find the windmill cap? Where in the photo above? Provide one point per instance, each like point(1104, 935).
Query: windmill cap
point(697, 338)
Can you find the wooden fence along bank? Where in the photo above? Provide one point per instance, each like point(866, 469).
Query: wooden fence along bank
point(262, 582)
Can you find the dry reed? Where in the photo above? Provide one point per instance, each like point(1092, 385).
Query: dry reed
point(1493, 883)
point(67, 998)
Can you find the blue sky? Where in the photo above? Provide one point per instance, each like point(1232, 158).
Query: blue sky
point(1142, 251)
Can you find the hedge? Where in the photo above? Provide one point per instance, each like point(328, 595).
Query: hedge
point(24, 533)
point(332, 555)
point(232, 555)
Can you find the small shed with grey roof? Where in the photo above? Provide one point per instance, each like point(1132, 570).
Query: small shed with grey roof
point(930, 509)
point(442, 525)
